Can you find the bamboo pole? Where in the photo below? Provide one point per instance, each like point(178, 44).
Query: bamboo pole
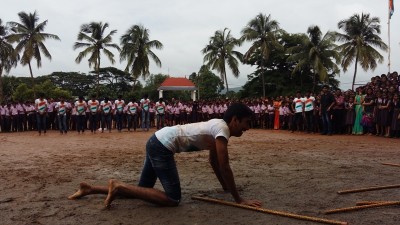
point(391, 164)
point(269, 211)
point(370, 202)
point(368, 189)
point(354, 208)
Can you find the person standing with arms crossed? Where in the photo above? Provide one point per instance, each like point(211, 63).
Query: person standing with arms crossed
point(326, 103)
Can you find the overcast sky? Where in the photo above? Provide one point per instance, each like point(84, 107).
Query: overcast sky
point(185, 26)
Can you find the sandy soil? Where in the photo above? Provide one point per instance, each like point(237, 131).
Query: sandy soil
point(297, 173)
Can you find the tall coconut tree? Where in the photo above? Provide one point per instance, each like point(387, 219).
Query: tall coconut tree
point(220, 51)
point(8, 56)
point(262, 31)
point(360, 40)
point(316, 52)
point(29, 36)
point(136, 49)
point(93, 38)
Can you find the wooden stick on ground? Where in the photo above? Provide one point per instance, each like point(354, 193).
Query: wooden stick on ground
point(370, 202)
point(368, 189)
point(391, 164)
point(274, 212)
point(354, 208)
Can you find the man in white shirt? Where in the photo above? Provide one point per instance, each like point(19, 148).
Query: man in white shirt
point(132, 110)
point(41, 107)
point(160, 111)
point(94, 107)
point(212, 135)
point(298, 109)
point(80, 107)
point(309, 105)
point(106, 112)
point(61, 109)
point(145, 105)
point(119, 105)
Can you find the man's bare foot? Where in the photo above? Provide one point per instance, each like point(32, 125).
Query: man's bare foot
point(84, 189)
point(112, 192)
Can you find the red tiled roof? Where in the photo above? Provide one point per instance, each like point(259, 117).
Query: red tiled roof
point(177, 82)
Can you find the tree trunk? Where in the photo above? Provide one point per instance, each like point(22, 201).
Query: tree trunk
point(33, 80)
point(262, 77)
point(314, 82)
point(98, 76)
point(1, 85)
point(226, 82)
point(355, 73)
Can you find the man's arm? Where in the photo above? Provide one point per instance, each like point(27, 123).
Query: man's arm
point(225, 171)
point(215, 166)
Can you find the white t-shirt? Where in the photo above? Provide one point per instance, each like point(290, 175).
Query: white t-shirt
point(194, 136)
point(309, 103)
point(120, 104)
point(41, 105)
point(160, 107)
point(298, 105)
point(61, 108)
point(93, 106)
point(132, 108)
point(80, 107)
point(106, 106)
point(145, 104)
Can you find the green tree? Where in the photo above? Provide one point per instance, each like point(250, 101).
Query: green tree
point(279, 79)
point(361, 38)
point(115, 81)
point(92, 37)
point(209, 85)
point(136, 49)
point(316, 52)
point(23, 92)
point(262, 31)
point(152, 84)
point(30, 39)
point(220, 51)
point(78, 84)
point(8, 56)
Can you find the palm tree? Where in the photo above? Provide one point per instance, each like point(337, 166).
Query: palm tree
point(30, 37)
point(316, 52)
point(95, 40)
point(136, 49)
point(262, 30)
point(220, 51)
point(8, 56)
point(360, 37)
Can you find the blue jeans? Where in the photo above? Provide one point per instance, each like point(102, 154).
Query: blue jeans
point(145, 119)
point(118, 120)
point(132, 118)
point(106, 121)
point(62, 123)
point(41, 122)
point(326, 123)
point(160, 163)
point(80, 120)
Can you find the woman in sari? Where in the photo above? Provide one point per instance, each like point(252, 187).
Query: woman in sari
point(277, 105)
point(358, 107)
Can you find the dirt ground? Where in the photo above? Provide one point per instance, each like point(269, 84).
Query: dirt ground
point(297, 173)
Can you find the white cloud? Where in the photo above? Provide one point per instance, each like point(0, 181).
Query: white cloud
point(184, 27)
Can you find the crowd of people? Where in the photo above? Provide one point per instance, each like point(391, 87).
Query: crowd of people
point(372, 109)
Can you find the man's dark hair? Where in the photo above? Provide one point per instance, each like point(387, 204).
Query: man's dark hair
point(239, 110)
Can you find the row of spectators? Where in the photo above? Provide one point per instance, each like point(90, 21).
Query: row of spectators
point(371, 109)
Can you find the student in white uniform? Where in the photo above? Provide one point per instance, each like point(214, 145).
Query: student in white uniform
point(41, 107)
point(212, 135)
point(61, 109)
